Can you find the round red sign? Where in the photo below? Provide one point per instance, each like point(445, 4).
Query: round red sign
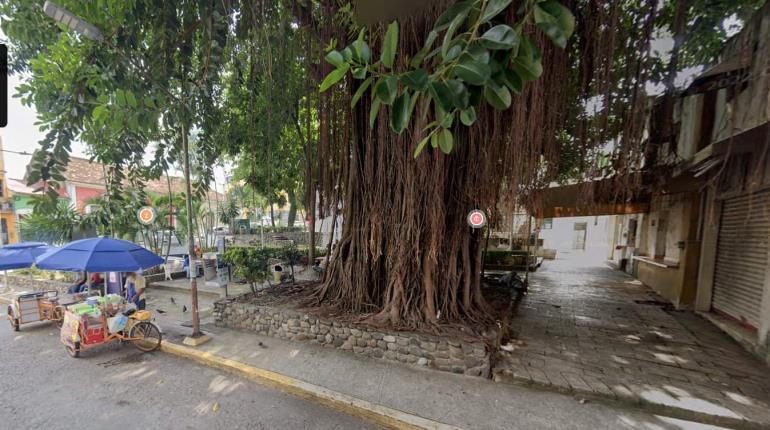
point(477, 219)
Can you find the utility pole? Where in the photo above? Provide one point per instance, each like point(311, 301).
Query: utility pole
point(192, 268)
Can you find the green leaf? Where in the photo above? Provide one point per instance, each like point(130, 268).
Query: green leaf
point(386, 89)
point(527, 64)
point(472, 71)
point(399, 113)
point(494, 7)
point(347, 53)
point(416, 79)
point(335, 58)
point(451, 13)
point(479, 53)
point(98, 112)
point(497, 96)
point(131, 99)
point(468, 116)
point(449, 35)
point(554, 33)
point(389, 45)
point(103, 99)
point(434, 139)
point(442, 95)
point(421, 145)
point(512, 81)
point(561, 15)
point(374, 111)
point(360, 51)
point(447, 120)
point(420, 56)
point(334, 76)
point(445, 140)
point(453, 53)
point(500, 37)
point(120, 98)
point(459, 92)
point(360, 91)
point(359, 72)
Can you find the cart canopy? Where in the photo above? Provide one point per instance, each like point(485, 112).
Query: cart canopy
point(99, 254)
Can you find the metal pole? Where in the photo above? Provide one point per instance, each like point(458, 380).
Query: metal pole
point(193, 270)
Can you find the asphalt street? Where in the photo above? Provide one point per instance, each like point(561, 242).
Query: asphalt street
point(118, 387)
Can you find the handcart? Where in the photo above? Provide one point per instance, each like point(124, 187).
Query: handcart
point(35, 307)
point(88, 325)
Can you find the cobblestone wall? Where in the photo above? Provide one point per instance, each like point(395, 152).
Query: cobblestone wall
point(30, 284)
point(464, 357)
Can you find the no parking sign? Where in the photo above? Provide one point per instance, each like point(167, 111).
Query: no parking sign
point(477, 218)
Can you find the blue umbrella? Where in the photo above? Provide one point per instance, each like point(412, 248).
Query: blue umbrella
point(20, 256)
point(99, 254)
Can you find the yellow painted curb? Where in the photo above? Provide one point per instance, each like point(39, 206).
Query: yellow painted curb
point(378, 414)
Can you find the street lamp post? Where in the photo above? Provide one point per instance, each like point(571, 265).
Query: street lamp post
point(90, 31)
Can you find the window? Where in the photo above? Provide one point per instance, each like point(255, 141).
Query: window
point(2, 191)
point(547, 223)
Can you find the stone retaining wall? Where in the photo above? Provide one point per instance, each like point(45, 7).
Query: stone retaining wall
point(466, 357)
point(25, 283)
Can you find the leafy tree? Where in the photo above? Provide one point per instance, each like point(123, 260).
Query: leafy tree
point(54, 224)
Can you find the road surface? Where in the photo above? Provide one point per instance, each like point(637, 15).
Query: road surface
point(117, 387)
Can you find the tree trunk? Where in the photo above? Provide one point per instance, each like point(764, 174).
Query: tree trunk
point(292, 208)
point(406, 254)
point(272, 215)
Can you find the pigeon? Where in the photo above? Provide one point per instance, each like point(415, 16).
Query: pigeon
point(172, 300)
point(184, 308)
point(160, 311)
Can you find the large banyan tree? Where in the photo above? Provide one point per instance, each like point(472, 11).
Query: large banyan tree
point(475, 104)
point(459, 105)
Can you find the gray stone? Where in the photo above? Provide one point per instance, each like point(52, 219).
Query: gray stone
point(381, 344)
point(392, 347)
point(378, 336)
point(428, 346)
point(422, 361)
point(389, 338)
point(355, 332)
point(402, 341)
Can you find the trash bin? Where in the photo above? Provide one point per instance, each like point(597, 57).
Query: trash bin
point(277, 272)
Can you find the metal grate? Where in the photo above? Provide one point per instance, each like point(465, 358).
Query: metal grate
point(742, 252)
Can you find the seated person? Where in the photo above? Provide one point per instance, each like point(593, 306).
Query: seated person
point(97, 282)
point(80, 284)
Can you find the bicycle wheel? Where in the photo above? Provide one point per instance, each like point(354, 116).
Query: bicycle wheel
point(14, 321)
point(145, 336)
point(73, 352)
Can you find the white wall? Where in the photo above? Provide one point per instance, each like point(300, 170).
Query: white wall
point(561, 236)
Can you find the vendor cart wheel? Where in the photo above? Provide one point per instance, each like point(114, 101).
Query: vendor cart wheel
point(73, 352)
point(14, 321)
point(58, 316)
point(145, 336)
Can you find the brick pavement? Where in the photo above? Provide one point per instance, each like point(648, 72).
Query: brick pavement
point(591, 330)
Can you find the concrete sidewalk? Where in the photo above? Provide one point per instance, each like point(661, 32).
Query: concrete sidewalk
point(587, 329)
point(454, 400)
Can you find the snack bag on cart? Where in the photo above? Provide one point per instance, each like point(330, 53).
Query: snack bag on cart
point(70, 329)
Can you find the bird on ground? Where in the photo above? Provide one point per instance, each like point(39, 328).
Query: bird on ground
point(172, 300)
point(184, 308)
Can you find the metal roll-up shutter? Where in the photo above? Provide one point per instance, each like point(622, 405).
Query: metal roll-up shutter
point(741, 262)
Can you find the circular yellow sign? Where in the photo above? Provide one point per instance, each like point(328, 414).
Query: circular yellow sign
point(146, 215)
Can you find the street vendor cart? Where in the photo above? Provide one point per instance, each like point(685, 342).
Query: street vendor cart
point(108, 318)
point(87, 325)
point(35, 307)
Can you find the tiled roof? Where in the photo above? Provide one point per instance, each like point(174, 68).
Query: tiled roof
point(81, 170)
point(18, 186)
